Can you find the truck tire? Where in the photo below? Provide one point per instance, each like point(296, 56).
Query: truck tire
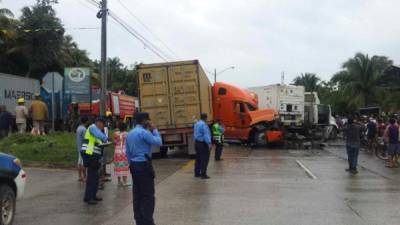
point(259, 139)
point(163, 152)
point(7, 205)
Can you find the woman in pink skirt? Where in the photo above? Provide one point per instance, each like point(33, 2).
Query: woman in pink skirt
point(121, 165)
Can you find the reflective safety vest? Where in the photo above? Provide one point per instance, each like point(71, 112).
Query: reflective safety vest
point(90, 144)
point(218, 134)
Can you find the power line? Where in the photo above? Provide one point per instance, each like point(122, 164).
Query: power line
point(147, 28)
point(147, 44)
point(86, 6)
point(138, 37)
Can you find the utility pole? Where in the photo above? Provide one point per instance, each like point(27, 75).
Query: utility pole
point(215, 75)
point(103, 95)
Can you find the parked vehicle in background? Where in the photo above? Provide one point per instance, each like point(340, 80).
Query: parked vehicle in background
point(370, 111)
point(174, 94)
point(122, 106)
point(12, 186)
point(13, 87)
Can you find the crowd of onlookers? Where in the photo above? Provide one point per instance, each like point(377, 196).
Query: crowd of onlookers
point(377, 132)
point(26, 119)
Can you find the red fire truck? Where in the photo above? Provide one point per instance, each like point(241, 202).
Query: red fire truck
point(120, 105)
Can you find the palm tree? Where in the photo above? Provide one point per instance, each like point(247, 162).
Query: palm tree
point(361, 79)
point(310, 81)
point(4, 12)
point(6, 23)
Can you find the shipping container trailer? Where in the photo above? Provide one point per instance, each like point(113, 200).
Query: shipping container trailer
point(13, 87)
point(175, 94)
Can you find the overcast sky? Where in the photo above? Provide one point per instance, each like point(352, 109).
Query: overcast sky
point(261, 38)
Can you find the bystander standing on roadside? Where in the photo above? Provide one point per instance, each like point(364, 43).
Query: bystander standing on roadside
point(121, 165)
point(372, 131)
point(202, 138)
point(39, 113)
point(352, 133)
point(21, 115)
point(138, 149)
point(80, 136)
point(392, 139)
point(6, 121)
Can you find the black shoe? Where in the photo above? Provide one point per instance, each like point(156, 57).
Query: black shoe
point(347, 170)
point(219, 160)
point(205, 177)
point(97, 199)
point(197, 176)
point(354, 172)
point(91, 202)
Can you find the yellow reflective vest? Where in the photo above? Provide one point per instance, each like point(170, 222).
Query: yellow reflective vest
point(218, 134)
point(90, 144)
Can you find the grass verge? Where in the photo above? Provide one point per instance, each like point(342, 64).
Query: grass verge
point(54, 150)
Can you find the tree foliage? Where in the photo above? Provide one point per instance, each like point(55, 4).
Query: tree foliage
point(362, 80)
point(310, 81)
point(36, 43)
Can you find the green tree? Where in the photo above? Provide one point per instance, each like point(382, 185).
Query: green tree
point(40, 39)
point(310, 81)
point(6, 25)
point(122, 77)
point(72, 55)
point(361, 79)
point(4, 12)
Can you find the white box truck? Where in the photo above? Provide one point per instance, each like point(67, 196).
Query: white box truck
point(288, 100)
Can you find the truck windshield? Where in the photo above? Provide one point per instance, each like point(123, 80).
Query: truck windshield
point(250, 107)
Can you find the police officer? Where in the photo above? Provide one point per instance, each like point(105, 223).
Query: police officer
point(218, 136)
point(91, 154)
point(138, 149)
point(202, 137)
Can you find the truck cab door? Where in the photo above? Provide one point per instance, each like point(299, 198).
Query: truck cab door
point(242, 120)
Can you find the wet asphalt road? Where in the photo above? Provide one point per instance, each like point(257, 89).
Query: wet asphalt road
point(250, 187)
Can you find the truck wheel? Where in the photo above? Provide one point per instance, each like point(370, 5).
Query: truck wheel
point(7, 205)
point(163, 152)
point(259, 139)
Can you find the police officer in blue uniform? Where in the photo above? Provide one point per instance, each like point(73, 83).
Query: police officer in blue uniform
point(202, 137)
point(138, 149)
point(92, 152)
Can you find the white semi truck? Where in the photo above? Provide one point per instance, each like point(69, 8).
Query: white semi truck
point(298, 110)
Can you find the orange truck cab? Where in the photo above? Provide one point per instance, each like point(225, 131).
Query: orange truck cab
point(237, 109)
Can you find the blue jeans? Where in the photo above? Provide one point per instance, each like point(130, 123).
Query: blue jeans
point(352, 154)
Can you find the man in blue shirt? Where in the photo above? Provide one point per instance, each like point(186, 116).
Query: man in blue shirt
point(138, 150)
point(202, 138)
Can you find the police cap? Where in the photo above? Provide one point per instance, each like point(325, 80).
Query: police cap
point(100, 119)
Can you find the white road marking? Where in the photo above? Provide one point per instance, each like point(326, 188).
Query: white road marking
point(308, 172)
